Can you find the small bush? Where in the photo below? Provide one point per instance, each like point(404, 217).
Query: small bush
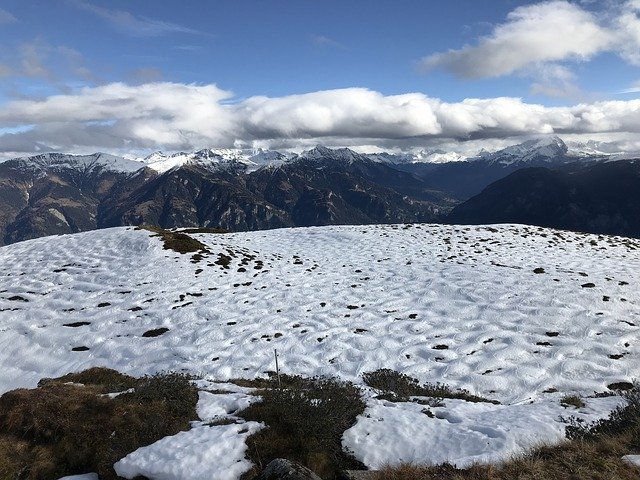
point(398, 387)
point(622, 421)
point(174, 390)
point(63, 429)
point(305, 419)
point(572, 401)
point(395, 385)
point(108, 380)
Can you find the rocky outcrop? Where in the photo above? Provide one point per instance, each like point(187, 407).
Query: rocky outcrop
point(282, 469)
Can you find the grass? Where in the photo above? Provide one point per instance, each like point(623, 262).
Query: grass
point(572, 401)
point(102, 379)
point(592, 452)
point(204, 230)
point(398, 387)
point(177, 241)
point(63, 428)
point(305, 421)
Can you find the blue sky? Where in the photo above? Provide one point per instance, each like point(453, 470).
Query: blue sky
point(554, 54)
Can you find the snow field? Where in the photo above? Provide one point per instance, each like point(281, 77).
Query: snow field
point(520, 314)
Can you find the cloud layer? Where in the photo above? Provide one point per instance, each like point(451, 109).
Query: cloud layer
point(543, 32)
point(175, 116)
point(542, 40)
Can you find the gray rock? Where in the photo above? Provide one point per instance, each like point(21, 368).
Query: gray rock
point(358, 475)
point(282, 469)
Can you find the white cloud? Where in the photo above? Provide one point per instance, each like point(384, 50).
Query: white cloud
point(543, 40)
point(543, 32)
point(172, 116)
point(627, 26)
point(6, 17)
point(32, 61)
point(634, 88)
point(142, 116)
point(134, 25)
point(351, 112)
point(324, 41)
point(553, 80)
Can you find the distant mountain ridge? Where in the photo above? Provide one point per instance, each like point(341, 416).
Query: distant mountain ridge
point(56, 193)
point(247, 190)
point(602, 197)
point(544, 150)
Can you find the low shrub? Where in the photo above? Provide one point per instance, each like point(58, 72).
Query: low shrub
point(572, 401)
point(398, 387)
point(177, 241)
point(622, 421)
point(305, 421)
point(108, 380)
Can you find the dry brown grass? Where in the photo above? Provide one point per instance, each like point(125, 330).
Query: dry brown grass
point(569, 461)
point(177, 241)
point(62, 429)
point(108, 381)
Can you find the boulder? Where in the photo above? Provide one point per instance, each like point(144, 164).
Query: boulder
point(282, 469)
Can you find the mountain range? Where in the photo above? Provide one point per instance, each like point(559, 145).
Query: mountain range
point(57, 193)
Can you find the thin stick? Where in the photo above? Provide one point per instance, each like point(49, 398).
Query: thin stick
point(275, 351)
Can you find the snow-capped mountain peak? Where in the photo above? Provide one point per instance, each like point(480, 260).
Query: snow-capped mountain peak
point(540, 150)
point(95, 161)
point(323, 153)
point(207, 158)
point(216, 159)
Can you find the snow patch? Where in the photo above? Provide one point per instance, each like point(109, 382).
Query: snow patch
point(460, 433)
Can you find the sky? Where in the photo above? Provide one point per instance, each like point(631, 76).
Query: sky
point(131, 77)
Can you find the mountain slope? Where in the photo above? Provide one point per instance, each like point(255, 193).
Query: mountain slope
point(54, 193)
point(602, 198)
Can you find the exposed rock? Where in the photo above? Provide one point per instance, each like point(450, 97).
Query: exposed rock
point(358, 475)
point(282, 469)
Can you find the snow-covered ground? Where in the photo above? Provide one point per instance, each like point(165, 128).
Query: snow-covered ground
point(462, 433)
point(453, 304)
point(207, 451)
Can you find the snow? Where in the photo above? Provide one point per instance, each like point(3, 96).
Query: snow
point(210, 159)
point(545, 149)
point(206, 451)
point(422, 156)
point(215, 159)
point(453, 304)
point(103, 161)
point(85, 476)
point(332, 300)
point(211, 406)
point(461, 433)
point(324, 154)
point(632, 459)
